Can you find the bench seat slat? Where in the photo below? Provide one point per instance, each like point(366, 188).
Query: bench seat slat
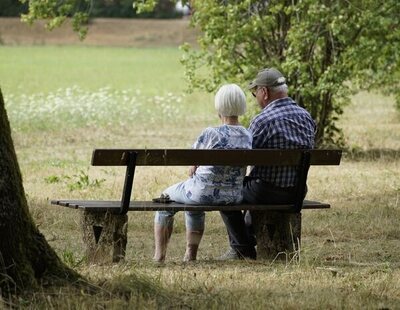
point(114, 206)
point(188, 157)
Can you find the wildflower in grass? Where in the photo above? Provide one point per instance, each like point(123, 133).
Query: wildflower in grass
point(75, 107)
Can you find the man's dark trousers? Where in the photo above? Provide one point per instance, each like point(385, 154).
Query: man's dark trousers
point(238, 224)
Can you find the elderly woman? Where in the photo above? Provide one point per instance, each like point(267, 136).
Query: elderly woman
point(216, 185)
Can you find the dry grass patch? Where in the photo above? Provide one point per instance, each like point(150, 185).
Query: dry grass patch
point(350, 254)
point(349, 259)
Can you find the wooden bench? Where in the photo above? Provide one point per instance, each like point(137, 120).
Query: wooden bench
point(277, 227)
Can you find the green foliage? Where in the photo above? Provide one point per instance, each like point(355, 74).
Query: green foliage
point(56, 12)
point(69, 258)
point(78, 181)
point(82, 181)
point(252, 109)
point(51, 179)
point(322, 46)
point(155, 8)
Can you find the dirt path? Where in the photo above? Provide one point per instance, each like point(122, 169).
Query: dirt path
point(102, 31)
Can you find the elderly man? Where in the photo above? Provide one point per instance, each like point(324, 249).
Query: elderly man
point(281, 124)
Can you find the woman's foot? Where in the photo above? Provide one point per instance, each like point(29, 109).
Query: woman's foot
point(191, 252)
point(193, 238)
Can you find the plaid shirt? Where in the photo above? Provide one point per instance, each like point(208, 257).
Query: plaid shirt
point(282, 124)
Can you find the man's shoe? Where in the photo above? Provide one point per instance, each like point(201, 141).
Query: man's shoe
point(231, 254)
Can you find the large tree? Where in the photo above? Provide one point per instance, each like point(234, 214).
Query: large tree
point(26, 259)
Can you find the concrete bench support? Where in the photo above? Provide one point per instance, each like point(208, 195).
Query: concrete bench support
point(278, 234)
point(105, 236)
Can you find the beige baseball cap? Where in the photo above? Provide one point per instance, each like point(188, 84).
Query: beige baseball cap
point(269, 77)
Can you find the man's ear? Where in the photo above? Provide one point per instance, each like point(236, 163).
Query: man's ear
point(265, 93)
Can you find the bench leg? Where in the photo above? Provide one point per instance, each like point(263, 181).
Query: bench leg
point(105, 237)
point(278, 234)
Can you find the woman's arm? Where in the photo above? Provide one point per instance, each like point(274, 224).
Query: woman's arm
point(192, 170)
point(206, 140)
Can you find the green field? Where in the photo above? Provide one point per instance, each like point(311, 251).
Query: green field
point(45, 69)
point(64, 101)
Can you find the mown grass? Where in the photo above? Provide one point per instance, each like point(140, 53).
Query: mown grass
point(350, 254)
point(32, 70)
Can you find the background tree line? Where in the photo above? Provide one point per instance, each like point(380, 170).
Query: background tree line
point(99, 8)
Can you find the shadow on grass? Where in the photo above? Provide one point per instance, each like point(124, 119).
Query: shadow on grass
point(131, 291)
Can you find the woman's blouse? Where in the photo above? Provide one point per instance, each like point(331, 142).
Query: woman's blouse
point(219, 184)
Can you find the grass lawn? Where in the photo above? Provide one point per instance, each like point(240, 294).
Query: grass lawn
point(45, 69)
point(64, 101)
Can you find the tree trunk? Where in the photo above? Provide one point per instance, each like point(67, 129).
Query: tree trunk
point(26, 259)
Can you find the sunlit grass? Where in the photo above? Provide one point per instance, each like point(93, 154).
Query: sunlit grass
point(30, 70)
point(74, 107)
point(372, 122)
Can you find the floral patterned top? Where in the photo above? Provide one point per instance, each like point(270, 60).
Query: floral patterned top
point(218, 185)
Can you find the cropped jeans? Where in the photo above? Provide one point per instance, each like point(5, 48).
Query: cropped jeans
point(194, 220)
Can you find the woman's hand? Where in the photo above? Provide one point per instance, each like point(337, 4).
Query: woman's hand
point(192, 170)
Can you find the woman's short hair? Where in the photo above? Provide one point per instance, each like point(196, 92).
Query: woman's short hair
point(230, 100)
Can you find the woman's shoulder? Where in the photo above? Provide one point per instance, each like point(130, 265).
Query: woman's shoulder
point(209, 131)
point(225, 131)
point(235, 132)
point(228, 128)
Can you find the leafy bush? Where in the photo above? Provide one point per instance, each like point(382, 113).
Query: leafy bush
point(326, 50)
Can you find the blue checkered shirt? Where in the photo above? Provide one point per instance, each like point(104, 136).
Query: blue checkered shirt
point(282, 124)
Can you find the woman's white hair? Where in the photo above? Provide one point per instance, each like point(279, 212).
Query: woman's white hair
point(230, 100)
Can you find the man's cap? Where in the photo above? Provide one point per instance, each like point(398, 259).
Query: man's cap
point(269, 77)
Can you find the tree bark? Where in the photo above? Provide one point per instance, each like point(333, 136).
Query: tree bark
point(26, 259)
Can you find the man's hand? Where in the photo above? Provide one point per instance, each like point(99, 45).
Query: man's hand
point(192, 170)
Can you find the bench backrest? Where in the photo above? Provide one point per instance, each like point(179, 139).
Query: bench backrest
point(187, 157)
